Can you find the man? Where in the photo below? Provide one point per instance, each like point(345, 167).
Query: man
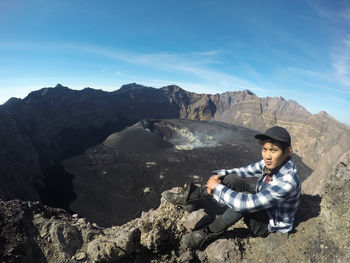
point(268, 204)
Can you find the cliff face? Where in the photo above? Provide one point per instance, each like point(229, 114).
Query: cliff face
point(191, 105)
point(32, 232)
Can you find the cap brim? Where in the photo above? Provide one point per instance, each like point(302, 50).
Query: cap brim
point(263, 137)
point(266, 137)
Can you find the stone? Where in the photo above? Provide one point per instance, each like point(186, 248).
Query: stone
point(66, 237)
point(196, 220)
point(80, 256)
point(187, 256)
point(154, 239)
point(223, 250)
point(104, 250)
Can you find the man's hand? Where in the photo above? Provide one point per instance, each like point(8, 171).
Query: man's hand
point(212, 183)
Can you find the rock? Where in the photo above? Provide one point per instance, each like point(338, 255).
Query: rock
point(104, 250)
point(161, 228)
point(153, 233)
point(196, 220)
point(115, 243)
point(187, 256)
point(154, 239)
point(66, 237)
point(80, 256)
point(223, 250)
point(126, 237)
point(81, 221)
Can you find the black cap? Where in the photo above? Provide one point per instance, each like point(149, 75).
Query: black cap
point(276, 133)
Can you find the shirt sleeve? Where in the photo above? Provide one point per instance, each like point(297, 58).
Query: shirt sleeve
point(253, 170)
point(275, 193)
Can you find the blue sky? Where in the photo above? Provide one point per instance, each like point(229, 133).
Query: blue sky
point(296, 49)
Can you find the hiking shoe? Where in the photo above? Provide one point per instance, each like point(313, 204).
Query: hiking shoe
point(181, 198)
point(197, 239)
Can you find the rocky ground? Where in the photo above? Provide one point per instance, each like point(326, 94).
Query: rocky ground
point(32, 232)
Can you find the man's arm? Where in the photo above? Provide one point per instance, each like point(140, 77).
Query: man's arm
point(253, 170)
point(278, 191)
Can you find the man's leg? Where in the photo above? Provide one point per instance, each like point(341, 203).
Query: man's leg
point(192, 192)
point(224, 221)
point(257, 223)
point(186, 198)
point(240, 184)
point(211, 232)
point(230, 217)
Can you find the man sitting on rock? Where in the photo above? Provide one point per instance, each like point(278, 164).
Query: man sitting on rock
point(267, 204)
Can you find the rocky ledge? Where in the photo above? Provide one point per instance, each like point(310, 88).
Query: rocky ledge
point(32, 232)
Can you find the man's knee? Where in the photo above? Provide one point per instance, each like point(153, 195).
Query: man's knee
point(240, 184)
point(232, 181)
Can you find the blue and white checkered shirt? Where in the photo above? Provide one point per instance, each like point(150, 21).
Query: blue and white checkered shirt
point(280, 197)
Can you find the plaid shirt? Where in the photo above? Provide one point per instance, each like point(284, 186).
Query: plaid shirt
point(280, 197)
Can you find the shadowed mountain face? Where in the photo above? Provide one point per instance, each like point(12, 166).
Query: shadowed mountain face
point(52, 124)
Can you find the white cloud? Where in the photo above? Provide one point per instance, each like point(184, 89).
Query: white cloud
point(340, 11)
point(341, 62)
point(337, 15)
point(309, 73)
point(189, 65)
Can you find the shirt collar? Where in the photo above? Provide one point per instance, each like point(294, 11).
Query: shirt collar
point(270, 172)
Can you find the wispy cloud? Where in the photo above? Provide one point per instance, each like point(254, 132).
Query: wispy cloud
point(338, 13)
point(191, 64)
point(345, 14)
point(310, 73)
point(341, 61)
point(196, 71)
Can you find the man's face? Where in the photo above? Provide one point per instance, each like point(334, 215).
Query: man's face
point(273, 155)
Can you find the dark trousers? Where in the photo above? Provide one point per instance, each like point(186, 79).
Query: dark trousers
point(257, 222)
